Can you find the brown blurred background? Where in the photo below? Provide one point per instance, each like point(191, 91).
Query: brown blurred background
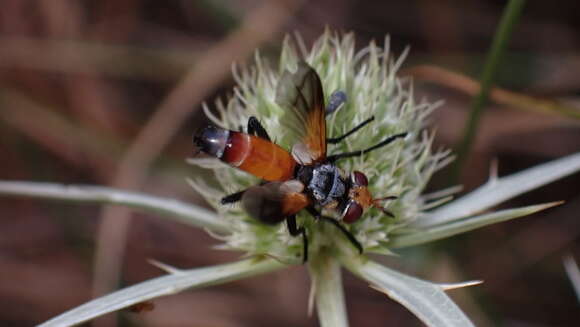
point(81, 82)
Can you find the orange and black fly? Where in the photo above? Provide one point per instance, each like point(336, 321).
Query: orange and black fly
point(304, 177)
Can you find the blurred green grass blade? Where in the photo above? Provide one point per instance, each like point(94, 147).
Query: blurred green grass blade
point(509, 18)
point(221, 12)
point(426, 300)
point(438, 232)
point(498, 190)
point(182, 212)
point(177, 281)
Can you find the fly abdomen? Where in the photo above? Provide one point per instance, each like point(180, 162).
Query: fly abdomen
point(249, 153)
point(212, 140)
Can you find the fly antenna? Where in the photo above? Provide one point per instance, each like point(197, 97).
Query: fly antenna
point(387, 198)
point(377, 204)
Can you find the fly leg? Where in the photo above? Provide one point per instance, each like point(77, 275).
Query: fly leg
point(338, 225)
point(295, 231)
point(381, 144)
point(235, 197)
point(256, 128)
point(386, 198)
point(335, 140)
point(232, 198)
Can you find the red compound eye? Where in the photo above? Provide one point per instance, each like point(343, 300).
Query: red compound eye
point(352, 212)
point(359, 178)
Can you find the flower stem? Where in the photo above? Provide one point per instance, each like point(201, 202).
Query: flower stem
point(327, 285)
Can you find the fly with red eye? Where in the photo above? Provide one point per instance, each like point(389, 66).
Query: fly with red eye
point(304, 177)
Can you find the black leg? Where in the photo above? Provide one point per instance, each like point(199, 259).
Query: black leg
point(337, 98)
point(232, 198)
point(346, 233)
point(387, 212)
point(256, 128)
point(335, 140)
point(295, 231)
point(390, 139)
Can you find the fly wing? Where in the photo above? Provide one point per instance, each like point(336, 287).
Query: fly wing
point(272, 202)
point(300, 94)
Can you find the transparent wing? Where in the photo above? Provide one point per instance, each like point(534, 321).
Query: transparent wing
point(301, 95)
point(272, 202)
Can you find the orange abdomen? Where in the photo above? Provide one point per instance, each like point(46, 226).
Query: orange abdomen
point(258, 157)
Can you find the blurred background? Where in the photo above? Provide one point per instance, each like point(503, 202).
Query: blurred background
point(109, 92)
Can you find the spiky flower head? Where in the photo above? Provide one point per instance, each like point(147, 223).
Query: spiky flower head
point(369, 79)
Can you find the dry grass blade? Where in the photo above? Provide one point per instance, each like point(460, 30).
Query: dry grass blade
point(54, 134)
point(470, 86)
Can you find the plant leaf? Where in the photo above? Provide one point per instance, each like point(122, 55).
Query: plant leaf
point(182, 212)
point(426, 300)
point(498, 190)
point(161, 286)
point(437, 232)
point(573, 273)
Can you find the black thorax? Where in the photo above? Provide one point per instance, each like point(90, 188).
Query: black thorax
point(323, 182)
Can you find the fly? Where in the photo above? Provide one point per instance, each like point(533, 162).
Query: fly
point(304, 177)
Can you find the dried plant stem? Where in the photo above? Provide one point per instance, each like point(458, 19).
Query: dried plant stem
point(472, 87)
point(99, 149)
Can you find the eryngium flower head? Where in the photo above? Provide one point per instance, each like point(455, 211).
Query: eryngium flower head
point(369, 79)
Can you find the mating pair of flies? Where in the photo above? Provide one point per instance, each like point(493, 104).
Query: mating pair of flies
point(305, 177)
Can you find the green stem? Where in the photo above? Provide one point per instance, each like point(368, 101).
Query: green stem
point(327, 284)
point(509, 18)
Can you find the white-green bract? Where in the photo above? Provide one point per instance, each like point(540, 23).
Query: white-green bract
point(403, 168)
